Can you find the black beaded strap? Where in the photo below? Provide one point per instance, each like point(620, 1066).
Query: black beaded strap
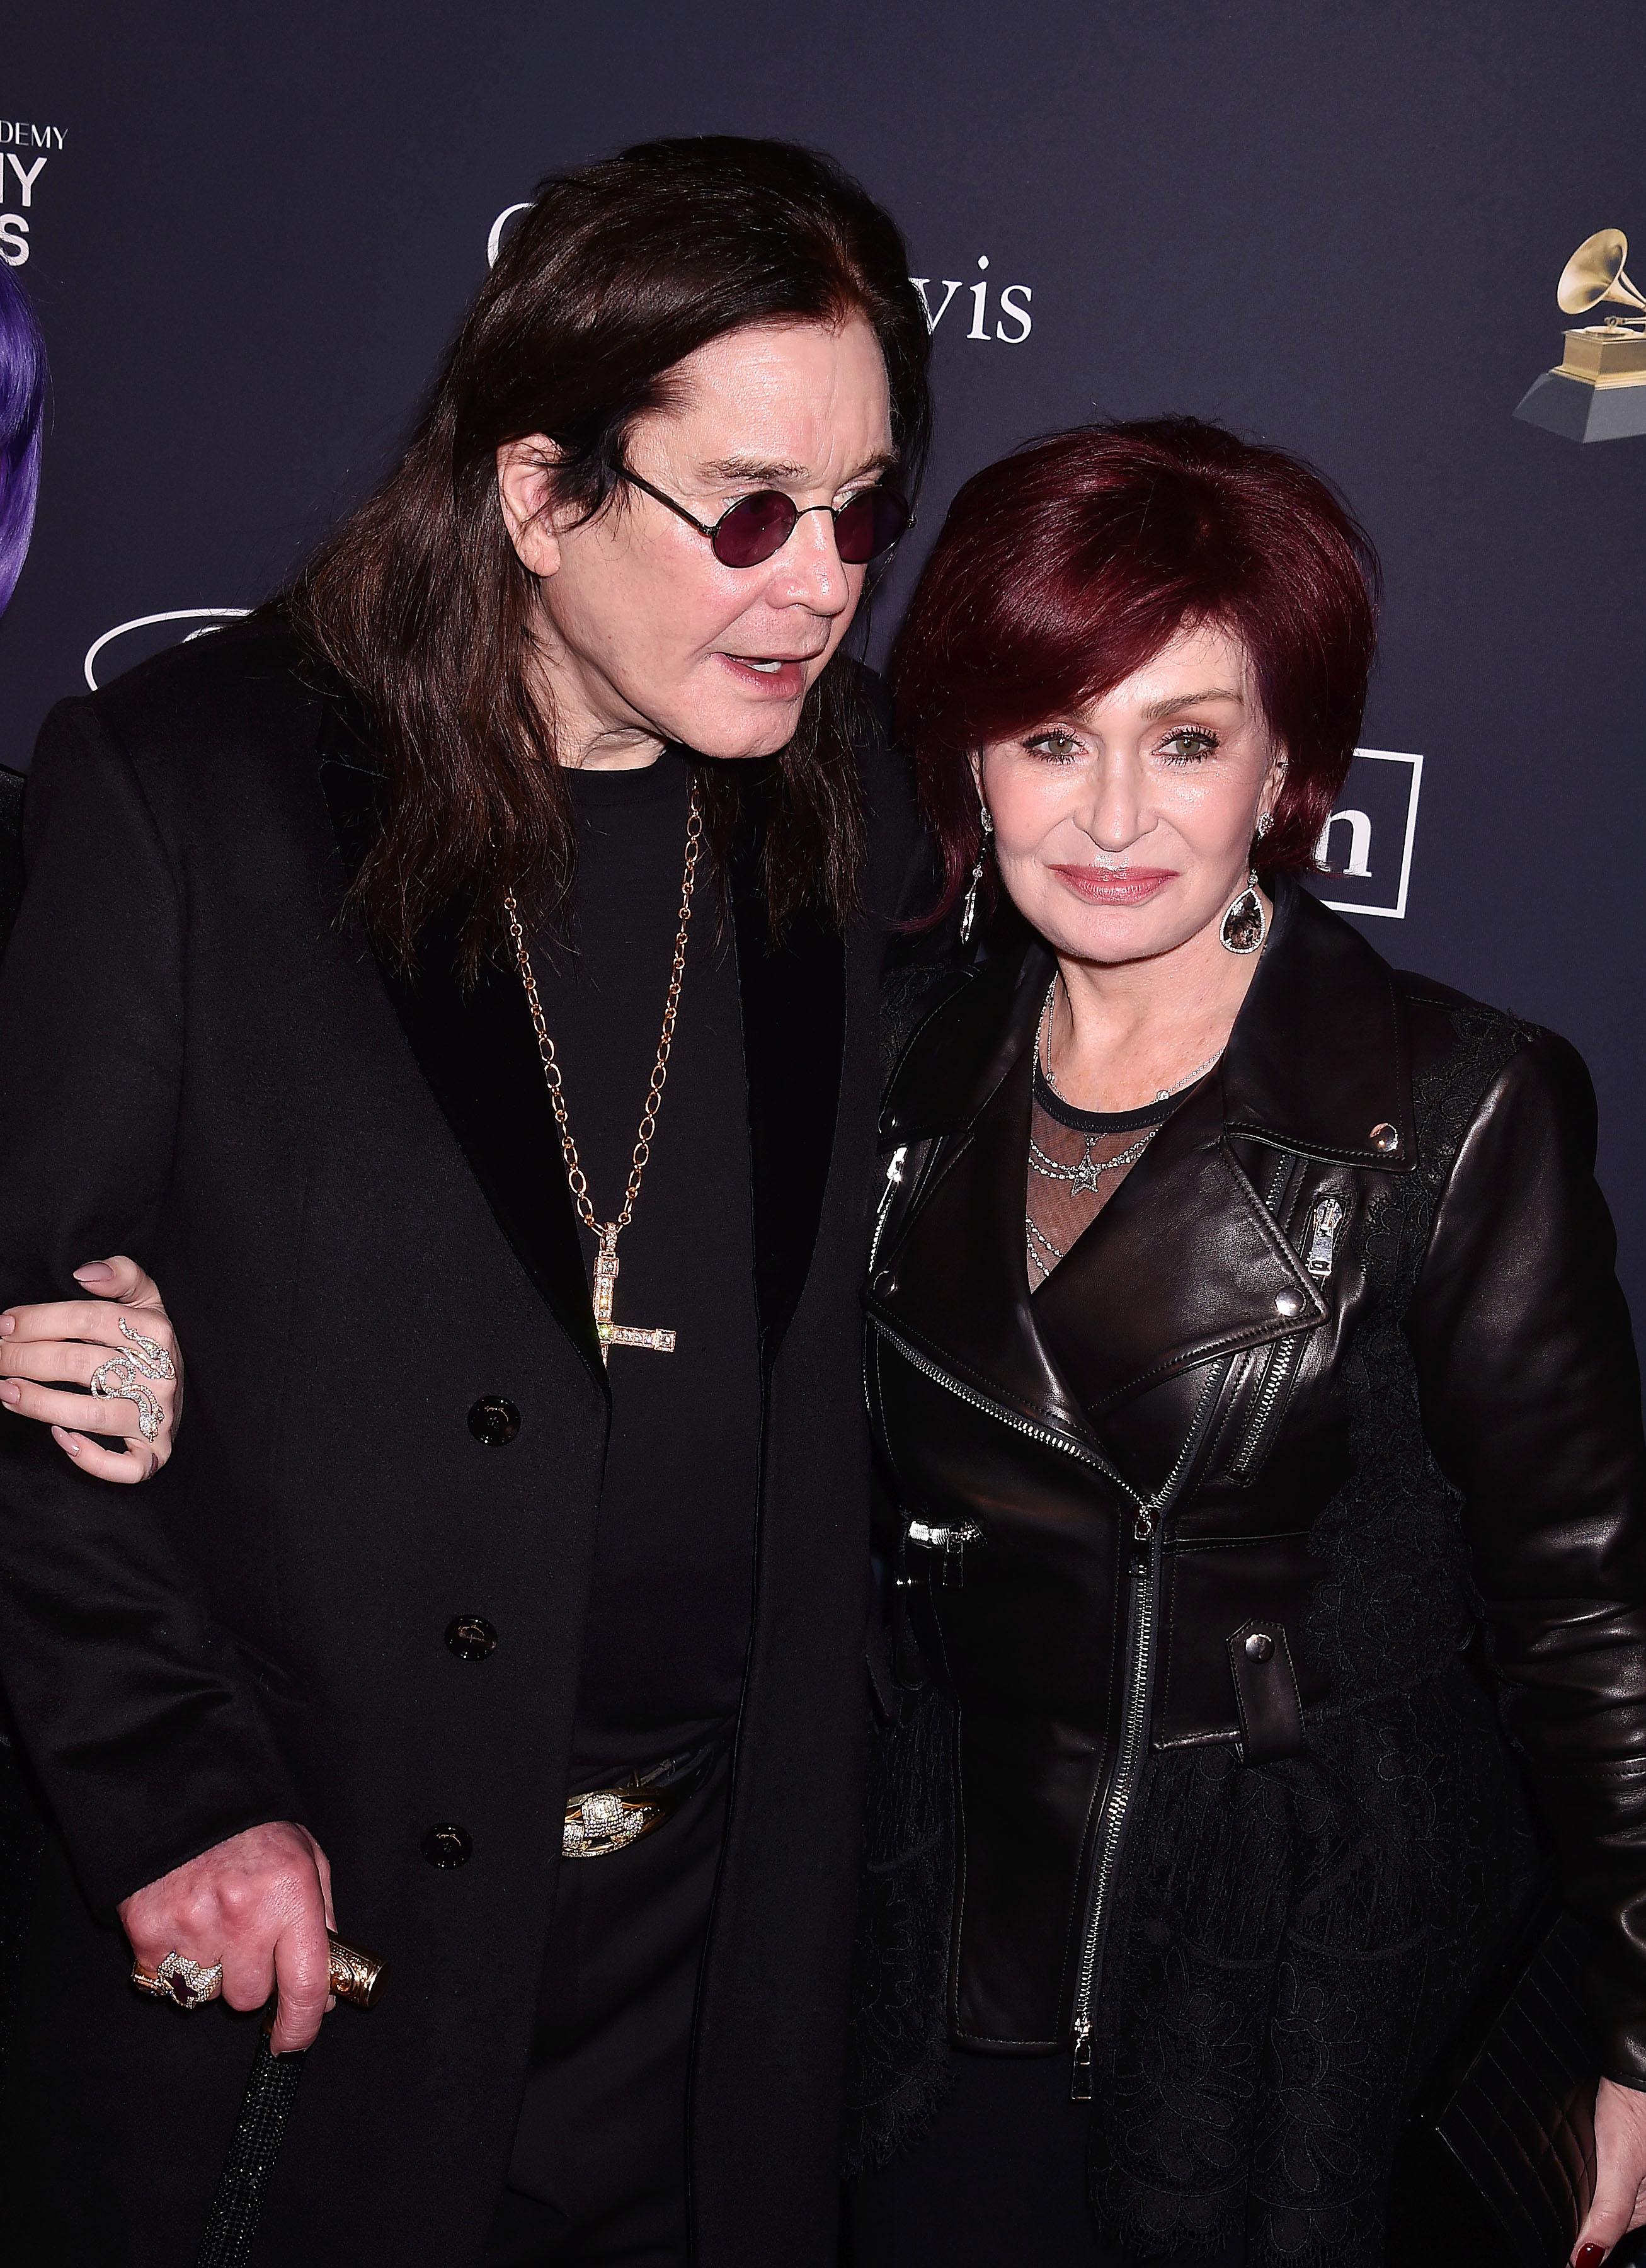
point(231, 2224)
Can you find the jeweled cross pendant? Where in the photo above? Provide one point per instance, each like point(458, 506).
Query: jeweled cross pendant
point(613, 1334)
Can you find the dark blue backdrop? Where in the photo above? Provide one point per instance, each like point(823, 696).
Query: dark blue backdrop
point(1339, 228)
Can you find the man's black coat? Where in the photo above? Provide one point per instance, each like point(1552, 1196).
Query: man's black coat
point(351, 1191)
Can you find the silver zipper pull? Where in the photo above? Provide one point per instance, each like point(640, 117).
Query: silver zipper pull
point(1328, 1219)
point(1080, 2079)
point(894, 1175)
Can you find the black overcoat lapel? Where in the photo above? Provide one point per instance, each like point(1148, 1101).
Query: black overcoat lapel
point(793, 995)
point(475, 1047)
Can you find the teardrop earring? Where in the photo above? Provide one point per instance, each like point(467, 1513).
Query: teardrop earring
point(1245, 922)
point(968, 915)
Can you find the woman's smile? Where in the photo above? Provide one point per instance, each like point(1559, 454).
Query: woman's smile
point(1115, 885)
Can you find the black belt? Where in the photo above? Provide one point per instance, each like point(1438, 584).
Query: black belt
point(608, 1819)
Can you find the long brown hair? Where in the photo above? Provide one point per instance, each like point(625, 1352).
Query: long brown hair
point(420, 603)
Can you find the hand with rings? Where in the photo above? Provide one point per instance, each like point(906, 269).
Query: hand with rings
point(247, 1919)
point(117, 1346)
point(184, 1984)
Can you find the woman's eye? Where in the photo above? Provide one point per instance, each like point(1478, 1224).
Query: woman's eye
point(1188, 745)
point(1059, 746)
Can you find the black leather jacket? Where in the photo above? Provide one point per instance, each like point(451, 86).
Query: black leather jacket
point(1342, 1368)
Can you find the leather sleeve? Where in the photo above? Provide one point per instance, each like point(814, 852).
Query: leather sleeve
point(1531, 1396)
point(148, 1747)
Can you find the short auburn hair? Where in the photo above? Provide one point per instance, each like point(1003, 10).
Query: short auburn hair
point(1068, 566)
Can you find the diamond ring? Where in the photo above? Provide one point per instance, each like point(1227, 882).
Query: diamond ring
point(184, 1983)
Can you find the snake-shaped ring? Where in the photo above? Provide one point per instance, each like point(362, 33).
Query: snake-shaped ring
point(120, 1378)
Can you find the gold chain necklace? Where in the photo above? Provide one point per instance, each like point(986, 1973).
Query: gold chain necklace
point(613, 1334)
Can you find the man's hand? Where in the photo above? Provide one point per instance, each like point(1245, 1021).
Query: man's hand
point(260, 1903)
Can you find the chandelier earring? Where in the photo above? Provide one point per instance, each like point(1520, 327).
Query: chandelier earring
point(1245, 921)
point(968, 915)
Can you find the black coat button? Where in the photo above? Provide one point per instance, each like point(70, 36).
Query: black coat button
point(447, 1844)
point(884, 1283)
point(471, 1637)
point(1385, 1139)
point(493, 1421)
point(1260, 1645)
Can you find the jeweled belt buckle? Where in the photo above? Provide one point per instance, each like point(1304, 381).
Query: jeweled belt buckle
point(608, 1819)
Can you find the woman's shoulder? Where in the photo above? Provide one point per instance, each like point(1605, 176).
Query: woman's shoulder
point(1468, 1057)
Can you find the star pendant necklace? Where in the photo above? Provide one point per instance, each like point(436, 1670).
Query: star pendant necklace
point(1084, 1178)
point(605, 1262)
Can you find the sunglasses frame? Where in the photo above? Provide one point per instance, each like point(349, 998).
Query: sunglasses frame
point(710, 530)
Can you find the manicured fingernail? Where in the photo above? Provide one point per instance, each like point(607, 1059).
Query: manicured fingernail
point(11, 1393)
point(1590, 2257)
point(95, 1272)
point(8, 1324)
point(65, 1441)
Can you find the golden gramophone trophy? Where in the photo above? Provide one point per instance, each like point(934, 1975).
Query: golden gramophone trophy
point(1598, 392)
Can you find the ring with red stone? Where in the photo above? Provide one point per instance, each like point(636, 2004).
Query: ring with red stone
point(184, 1983)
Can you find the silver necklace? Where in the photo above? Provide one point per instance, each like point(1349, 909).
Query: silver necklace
point(1043, 1051)
point(1083, 1178)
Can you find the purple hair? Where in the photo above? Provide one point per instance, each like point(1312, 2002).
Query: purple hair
point(22, 418)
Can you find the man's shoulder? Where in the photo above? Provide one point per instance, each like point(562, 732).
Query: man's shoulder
point(244, 689)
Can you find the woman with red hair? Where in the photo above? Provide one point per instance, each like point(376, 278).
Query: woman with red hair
point(1242, 1333)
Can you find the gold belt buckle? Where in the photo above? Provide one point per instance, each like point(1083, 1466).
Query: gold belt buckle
point(608, 1819)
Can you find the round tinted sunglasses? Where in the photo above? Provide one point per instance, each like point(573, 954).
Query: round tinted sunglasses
point(756, 527)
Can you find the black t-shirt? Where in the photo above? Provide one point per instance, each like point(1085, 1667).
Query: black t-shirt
point(668, 1620)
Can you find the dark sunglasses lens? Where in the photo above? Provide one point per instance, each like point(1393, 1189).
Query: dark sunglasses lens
point(870, 525)
point(754, 529)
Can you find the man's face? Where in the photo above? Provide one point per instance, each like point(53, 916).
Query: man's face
point(646, 636)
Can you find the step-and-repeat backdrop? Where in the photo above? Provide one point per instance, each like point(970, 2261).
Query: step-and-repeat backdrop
point(249, 233)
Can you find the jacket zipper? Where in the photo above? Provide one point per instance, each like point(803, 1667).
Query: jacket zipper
point(1140, 1640)
point(1325, 1223)
point(1140, 1649)
point(1139, 1645)
point(1279, 1371)
point(1328, 1219)
point(1025, 1426)
point(893, 1178)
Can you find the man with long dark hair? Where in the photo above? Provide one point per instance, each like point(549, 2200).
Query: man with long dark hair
point(471, 967)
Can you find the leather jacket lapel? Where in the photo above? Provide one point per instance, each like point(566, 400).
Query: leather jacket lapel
point(955, 1280)
point(475, 1047)
point(1071, 1353)
point(793, 995)
point(1319, 1058)
point(1207, 1273)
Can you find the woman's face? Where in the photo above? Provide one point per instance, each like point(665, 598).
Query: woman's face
point(647, 636)
point(1125, 830)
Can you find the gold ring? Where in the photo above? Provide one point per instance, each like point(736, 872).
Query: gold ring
point(184, 1984)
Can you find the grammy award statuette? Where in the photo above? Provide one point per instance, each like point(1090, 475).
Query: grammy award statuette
point(1597, 391)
